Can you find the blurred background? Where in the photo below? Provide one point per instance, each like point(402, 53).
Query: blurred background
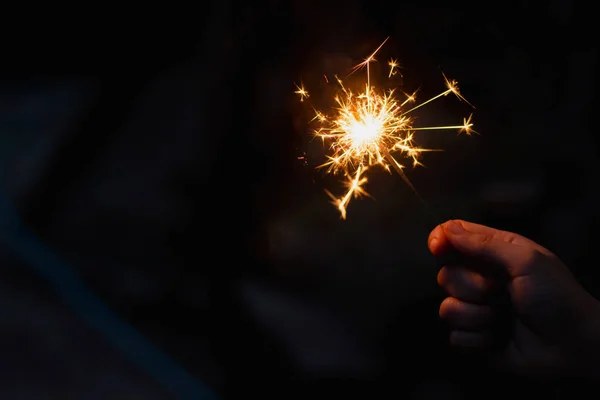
point(152, 160)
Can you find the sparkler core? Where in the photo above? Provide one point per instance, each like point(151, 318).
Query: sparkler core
point(364, 129)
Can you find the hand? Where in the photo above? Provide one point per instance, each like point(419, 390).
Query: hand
point(555, 323)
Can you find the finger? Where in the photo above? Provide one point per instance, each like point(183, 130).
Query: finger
point(465, 316)
point(438, 242)
point(505, 236)
point(514, 259)
point(464, 284)
point(471, 340)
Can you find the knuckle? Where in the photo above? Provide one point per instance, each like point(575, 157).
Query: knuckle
point(463, 284)
point(448, 308)
point(530, 258)
point(442, 277)
point(481, 241)
point(466, 284)
point(463, 315)
point(479, 281)
point(509, 237)
point(485, 239)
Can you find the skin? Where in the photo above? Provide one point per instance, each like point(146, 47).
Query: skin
point(554, 324)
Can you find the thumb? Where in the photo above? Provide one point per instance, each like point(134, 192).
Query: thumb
point(486, 247)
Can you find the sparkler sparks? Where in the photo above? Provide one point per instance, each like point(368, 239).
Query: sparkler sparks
point(393, 65)
point(364, 129)
point(303, 93)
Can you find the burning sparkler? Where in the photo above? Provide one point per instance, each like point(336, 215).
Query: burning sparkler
point(364, 129)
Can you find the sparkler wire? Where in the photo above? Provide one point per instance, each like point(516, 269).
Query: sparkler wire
point(400, 172)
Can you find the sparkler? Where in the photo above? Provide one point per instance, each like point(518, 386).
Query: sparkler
point(364, 129)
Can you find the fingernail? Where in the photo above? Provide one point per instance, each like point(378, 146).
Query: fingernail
point(433, 243)
point(455, 227)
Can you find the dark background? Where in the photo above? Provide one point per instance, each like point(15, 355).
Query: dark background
point(156, 154)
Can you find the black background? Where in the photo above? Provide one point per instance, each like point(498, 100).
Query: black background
point(155, 150)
